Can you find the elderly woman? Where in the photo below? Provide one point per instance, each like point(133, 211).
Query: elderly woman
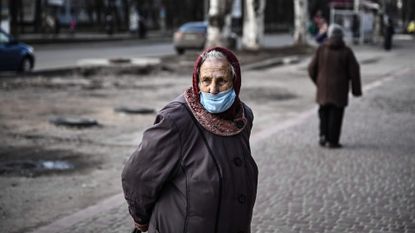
point(333, 69)
point(193, 171)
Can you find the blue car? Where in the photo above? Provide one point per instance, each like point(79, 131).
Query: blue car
point(14, 55)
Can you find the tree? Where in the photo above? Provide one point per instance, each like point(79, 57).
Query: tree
point(253, 26)
point(300, 21)
point(99, 11)
point(217, 30)
point(16, 16)
point(38, 16)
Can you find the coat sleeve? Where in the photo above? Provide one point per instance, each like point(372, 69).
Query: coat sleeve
point(313, 66)
point(354, 74)
point(150, 166)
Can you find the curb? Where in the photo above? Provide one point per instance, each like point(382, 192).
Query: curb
point(93, 69)
point(62, 71)
point(101, 38)
point(145, 68)
point(272, 62)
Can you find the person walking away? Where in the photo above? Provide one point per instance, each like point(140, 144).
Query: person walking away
point(388, 34)
point(193, 171)
point(333, 69)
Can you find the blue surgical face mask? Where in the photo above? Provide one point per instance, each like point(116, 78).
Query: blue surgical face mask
point(218, 103)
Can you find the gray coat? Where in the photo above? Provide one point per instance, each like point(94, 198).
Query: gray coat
point(173, 183)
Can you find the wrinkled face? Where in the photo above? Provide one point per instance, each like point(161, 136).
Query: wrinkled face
point(215, 76)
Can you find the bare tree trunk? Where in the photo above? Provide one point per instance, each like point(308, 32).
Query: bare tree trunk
point(253, 26)
point(300, 21)
point(126, 14)
point(99, 12)
point(38, 16)
point(216, 21)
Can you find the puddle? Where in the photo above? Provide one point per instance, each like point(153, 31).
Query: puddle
point(73, 121)
point(120, 61)
point(29, 162)
point(34, 168)
point(134, 110)
point(56, 165)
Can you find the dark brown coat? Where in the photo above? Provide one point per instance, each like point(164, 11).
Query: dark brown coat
point(173, 183)
point(333, 68)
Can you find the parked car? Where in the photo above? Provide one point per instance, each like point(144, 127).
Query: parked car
point(191, 35)
point(15, 55)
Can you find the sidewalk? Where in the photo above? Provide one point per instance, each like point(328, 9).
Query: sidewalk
point(364, 187)
point(304, 188)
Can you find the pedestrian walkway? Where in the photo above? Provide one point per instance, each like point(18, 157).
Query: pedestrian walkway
point(365, 187)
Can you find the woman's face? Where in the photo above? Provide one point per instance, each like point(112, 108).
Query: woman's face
point(215, 76)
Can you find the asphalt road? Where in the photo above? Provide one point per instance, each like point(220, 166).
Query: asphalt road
point(67, 55)
point(52, 56)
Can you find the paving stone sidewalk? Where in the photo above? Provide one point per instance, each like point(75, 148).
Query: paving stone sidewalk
point(365, 187)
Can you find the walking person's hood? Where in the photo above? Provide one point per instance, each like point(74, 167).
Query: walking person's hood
point(335, 34)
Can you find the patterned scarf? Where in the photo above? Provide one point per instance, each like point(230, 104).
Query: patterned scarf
point(215, 123)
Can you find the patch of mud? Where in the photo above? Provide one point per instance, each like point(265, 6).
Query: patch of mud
point(263, 94)
point(34, 162)
point(73, 121)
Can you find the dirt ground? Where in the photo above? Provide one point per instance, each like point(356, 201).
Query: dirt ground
point(49, 171)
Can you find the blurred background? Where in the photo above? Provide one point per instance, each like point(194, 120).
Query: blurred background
point(80, 81)
point(55, 17)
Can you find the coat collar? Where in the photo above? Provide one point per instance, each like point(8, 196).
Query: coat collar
point(214, 123)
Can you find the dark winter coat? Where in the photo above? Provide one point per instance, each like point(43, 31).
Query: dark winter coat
point(173, 183)
point(333, 69)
